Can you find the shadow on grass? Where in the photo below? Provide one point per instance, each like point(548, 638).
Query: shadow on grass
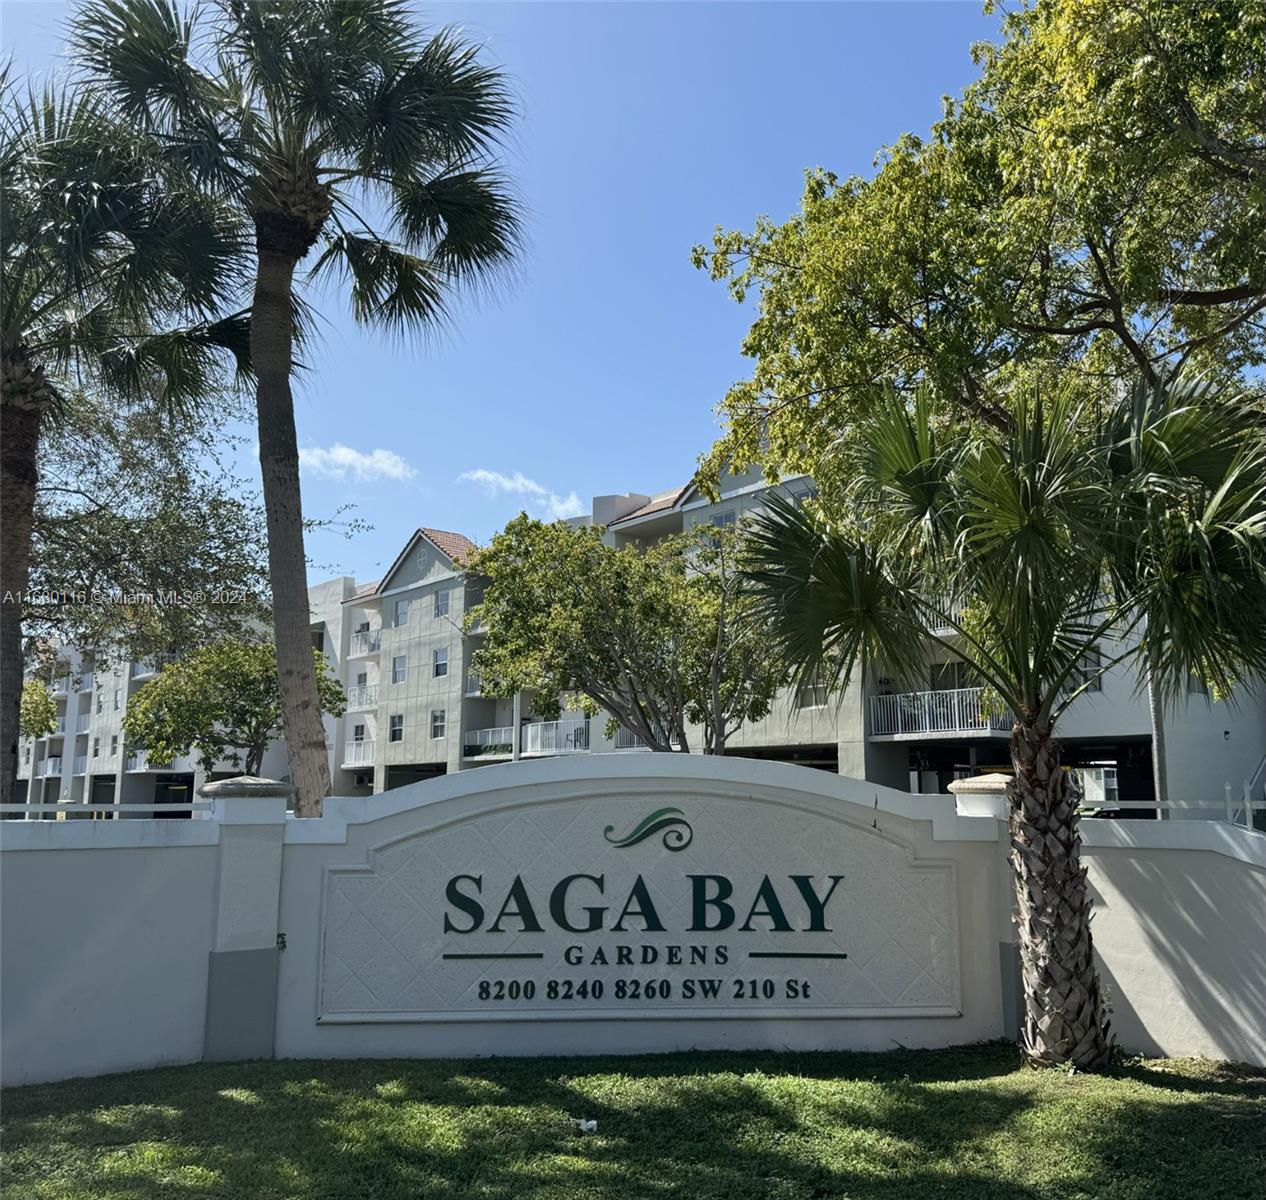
point(959, 1123)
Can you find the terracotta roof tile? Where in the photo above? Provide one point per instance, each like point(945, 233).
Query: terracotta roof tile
point(457, 546)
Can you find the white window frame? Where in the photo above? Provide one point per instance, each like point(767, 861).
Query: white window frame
point(395, 727)
point(399, 668)
point(114, 744)
point(439, 716)
point(437, 662)
point(116, 699)
point(442, 602)
point(397, 610)
point(358, 732)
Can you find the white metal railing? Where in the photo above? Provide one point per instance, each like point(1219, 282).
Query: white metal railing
point(358, 754)
point(50, 766)
point(60, 684)
point(82, 721)
point(959, 710)
point(81, 764)
point(568, 736)
point(626, 739)
point(58, 730)
point(151, 666)
point(366, 641)
point(364, 695)
point(138, 760)
point(474, 684)
point(87, 681)
point(489, 743)
point(198, 809)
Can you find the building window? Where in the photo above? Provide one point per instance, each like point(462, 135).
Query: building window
point(401, 613)
point(1197, 686)
point(358, 733)
point(399, 668)
point(724, 520)
point(802, 491)
point(114, 744)
point(96, 747)
point(100, 701)
point(952, 676)
point(437, 722)
point(1089, 666)
point(362, 678)
point(318, 640)
point(441, 603)
point(395, 728)
point(811, 693)
point(116, 699)
point(439, 663)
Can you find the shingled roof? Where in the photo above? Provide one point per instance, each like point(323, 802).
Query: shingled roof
point(657, 503)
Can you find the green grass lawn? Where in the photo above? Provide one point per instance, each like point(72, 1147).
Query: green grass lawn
point(959, 1123)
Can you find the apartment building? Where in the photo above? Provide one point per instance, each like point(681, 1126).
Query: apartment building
point(416, 707)
point(86, 760)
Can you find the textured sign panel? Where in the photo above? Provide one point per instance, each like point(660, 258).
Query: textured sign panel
point(686, 906)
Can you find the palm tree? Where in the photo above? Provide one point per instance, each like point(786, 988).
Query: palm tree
point(1042, 557)
point(336, 126)
point(113, 270)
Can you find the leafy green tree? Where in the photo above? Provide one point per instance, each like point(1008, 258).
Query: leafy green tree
point(144, 542)
point(38, 709)
point(1074, 541)
point(114, 271)
point(1096, 198)
point(221, 702)
point(336, 127)
point(654, 636)
point(1094, 205)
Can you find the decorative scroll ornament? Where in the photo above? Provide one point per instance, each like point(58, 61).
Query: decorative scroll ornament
point(671, 821)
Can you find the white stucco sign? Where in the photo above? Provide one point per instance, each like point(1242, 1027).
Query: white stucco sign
point(701, 903)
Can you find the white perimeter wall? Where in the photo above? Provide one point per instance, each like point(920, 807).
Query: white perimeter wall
point(107, 926)
point(104, 932)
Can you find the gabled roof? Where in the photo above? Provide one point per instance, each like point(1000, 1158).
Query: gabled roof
point(661, 502)
point(456, 547)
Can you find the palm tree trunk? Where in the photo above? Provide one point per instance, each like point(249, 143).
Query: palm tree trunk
point(271, 349)
point(1064, 1022)
point(19, 447)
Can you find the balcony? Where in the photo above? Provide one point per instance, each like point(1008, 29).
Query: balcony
point(626, 739)
point(81, 764)
point(365, 642)
point(362, 696)
point(138, 760)
point(956, 713)
point(152, 666)
point(87, 682)
point(82, 721)
point(358, 754)
point(60, 686)
point(50, 766)
point(59, 731)
point(568, 736)
point(497, 742)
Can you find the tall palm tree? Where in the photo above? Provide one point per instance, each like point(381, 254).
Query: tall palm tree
point(113, 269)
point(1041, 557)
point(339, 128)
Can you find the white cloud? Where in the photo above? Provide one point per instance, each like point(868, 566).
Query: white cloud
point(538, 500)
point(342, 462)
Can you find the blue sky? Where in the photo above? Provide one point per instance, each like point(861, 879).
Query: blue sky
point(644, 126)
